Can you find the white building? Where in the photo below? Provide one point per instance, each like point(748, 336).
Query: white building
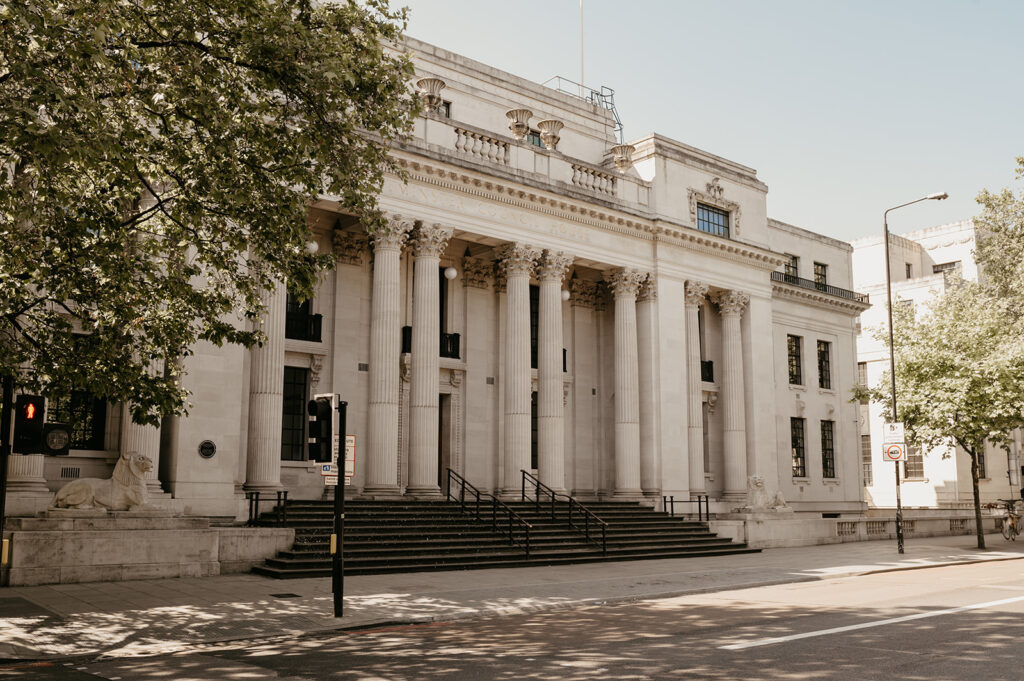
point(921, 263)
point(625, 328)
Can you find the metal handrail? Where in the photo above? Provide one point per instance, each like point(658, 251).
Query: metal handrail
point(794, 280)
point(513, 519)
point(280, 511)
point(668, 503)
point(539, 486)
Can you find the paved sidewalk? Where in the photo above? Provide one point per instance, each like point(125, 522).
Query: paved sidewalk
point(160, 616)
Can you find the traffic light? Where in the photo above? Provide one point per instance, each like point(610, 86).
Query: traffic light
point(28, 424)
point(321, 429)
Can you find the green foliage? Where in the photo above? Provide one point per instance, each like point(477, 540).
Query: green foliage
point(1000, 252)
point(157, 161)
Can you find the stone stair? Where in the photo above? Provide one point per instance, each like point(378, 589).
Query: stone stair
point(417, 536)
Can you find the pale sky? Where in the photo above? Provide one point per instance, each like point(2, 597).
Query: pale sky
point(845, 108)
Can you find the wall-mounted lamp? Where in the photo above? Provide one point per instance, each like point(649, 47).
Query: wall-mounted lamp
point(450, 273)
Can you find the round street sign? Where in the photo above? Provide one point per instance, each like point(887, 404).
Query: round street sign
point(896, 451)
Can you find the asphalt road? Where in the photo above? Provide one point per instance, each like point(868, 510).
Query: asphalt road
point(963, 622)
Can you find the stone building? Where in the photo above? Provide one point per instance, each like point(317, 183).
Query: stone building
point(923, 264)
point(625, 320)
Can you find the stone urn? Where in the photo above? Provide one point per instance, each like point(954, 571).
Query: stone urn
point(519, 122)
point(622, 155)
point(430, 91)
point(549, 130)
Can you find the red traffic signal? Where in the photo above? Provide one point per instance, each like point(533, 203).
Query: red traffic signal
point(28, 424)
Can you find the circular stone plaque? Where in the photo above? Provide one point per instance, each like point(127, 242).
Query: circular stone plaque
point(207, 448)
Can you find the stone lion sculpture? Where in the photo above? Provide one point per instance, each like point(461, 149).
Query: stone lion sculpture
point(758, 498)
point(124, 491)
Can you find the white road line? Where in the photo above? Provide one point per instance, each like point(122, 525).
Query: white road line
point(868, 625)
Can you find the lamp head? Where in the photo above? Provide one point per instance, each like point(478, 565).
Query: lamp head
point(938, 197)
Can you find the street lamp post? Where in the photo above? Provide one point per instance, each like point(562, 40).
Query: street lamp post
point(892, 353)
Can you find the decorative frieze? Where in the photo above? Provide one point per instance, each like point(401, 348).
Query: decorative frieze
point(350, 246)
point(500, 280)
point(731, 302)
point(696, 293)
point(583, 293)
point(476, 272)
point(624, 283)
point(553, 266)
point(430, 240)
point(648, 290)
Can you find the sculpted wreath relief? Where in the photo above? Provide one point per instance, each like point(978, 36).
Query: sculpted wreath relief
point(124, 491)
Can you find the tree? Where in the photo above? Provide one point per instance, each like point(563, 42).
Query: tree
point(1000, 251)
point(157, 161)
point(959, 374)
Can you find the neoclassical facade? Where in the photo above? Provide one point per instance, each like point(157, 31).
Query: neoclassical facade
point(625, 321)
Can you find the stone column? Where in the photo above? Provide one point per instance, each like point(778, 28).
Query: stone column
point(550, 409)
point(517, 262)
point(731, 305)
point(625, 284)
point(695, 294)
point(146, 440)
point(385, 351)
point(266, 386)
point(428, 243)
point(650, 473)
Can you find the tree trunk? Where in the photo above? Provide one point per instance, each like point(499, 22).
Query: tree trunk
point(978, 527)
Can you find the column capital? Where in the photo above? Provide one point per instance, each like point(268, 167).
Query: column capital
point(553, 266)
point(624, 283)
point(696, 292)
point(393, 238)
point(648, 290)
point(429, 241)
point(350, 246)
point(731, 302)
point(476, 272)
point(582, 293)
point(518, 259)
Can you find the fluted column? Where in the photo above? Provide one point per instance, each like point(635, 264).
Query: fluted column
point(625, 285)
point(731, 305)
point(695, 294)
point(428, 243)
point(146, 440)
point(550, 410)
point(266, 385)
point(517, 262)
point(650, 481)
point(385, 352)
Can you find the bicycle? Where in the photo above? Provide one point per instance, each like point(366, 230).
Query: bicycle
point(1011, 525)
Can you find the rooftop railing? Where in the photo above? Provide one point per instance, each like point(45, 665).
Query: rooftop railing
point(818, 286)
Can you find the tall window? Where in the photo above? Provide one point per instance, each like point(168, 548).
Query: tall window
point(828, 449)
point(910, 270)
point(299, 321)
point(712, 220)
point(913, 467)
point(796, 373)
point(865, 459)
point(533, 430)
point(442, 298)
point(293, 416)
point(862, 378)
point(982, 470)
point(534, 324)
point(824, 365)
point(796, 435)
point(820, 275)
point(793, 266)
point(84, 413)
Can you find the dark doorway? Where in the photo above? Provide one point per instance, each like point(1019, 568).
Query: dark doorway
point(444, 430)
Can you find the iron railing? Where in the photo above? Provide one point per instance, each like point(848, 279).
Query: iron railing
point(703, 506)
point(303, 327)
point(449, 345)
point(280, 511)
point(481, 504)
point(589, 517)
point(707, 371)
point(818, 286)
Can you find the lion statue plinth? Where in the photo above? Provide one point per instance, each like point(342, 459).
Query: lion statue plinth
point(124, 491)
point(758, 498)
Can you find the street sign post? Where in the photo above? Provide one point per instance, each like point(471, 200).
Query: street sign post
point(338, 556)
point(894, 451)
point(893, 433)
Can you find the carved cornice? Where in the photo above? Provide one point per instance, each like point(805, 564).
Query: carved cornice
point(350, 246)
point(731, 302)
point(713, 196)
point(476, 272)
point(582, 293)
point(429, 241)
point(518, 259)
point(696, 292)
point(648, 290)
point(802, 295)
point(553, 265)
point(624, 283)
point(394, 237)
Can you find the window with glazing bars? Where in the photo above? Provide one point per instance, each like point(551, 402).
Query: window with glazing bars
point(865, 459)
point(824, 365)
point(796, 374)
point(982, 470)
point(796, 434)
point(862, 377)
point(293, 414)
point(712, 220)
point(828, 449)
point(84, 413)
point(820, 274)
point(793, 266)
point(913, 467)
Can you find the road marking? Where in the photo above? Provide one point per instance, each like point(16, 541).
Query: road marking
point(868, 625)
point(1002, 587)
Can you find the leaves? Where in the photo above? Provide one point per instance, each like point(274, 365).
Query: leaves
point(158, 161)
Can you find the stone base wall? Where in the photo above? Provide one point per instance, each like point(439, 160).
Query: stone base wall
point(118, 547)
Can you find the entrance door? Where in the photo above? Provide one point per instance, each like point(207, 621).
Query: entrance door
point(444, 428)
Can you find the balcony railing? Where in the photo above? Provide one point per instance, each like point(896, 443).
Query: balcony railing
point(817, 286)
point(303, 327)
point(707, 371)
point(450, 343)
